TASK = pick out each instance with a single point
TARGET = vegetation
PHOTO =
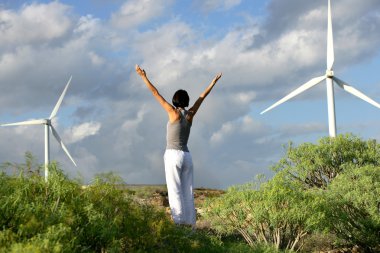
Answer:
(354, 201)
(316, 165)
(63, 216)
(323, 196)
(275, 212)
(331, 188)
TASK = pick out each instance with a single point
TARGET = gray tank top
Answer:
(178, 133)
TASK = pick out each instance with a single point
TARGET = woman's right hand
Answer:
(217, 77)
(140, 71)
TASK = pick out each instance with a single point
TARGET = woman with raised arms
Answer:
(177, 158)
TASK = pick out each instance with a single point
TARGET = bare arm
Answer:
(168, 107)
(193, 110)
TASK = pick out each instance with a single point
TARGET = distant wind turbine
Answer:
(48, 124)
(329, 77)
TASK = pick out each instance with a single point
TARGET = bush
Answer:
(35, 214)
(316, 165)
(353, 207)
(332, 187)
(275, 212)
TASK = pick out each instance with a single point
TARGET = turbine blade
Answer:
(28, 122)
(55, 110)
(355, 92)
(297, 91)
(330, 40)
(61, 143)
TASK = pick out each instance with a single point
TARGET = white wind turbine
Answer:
(48, 124)
(330, 78)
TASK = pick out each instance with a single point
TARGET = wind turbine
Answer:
(330, 79)
(48, 124)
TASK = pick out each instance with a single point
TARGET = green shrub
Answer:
(316, 165)
(275, 212)
(332, 187)
(346, 169)
(353, 206)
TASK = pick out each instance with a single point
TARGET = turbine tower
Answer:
(48, 124)
(330, 79)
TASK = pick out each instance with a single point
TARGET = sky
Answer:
(109, 121)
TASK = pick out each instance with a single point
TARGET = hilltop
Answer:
(157, 195)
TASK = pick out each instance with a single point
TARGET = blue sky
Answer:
(110, 122)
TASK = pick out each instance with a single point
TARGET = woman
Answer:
(177, 158)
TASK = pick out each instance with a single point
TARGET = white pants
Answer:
(179, 181)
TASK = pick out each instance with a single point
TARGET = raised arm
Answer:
(193, 110)
(168, 107)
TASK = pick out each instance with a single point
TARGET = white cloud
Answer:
(164, 51)
(246, 126)
(95, 58)
(87, 26)
(223, 132)
(34, 23)
(245, 97)
(137, 12)
(79, 132)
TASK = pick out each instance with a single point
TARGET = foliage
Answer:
(275, 213)
(316, 165)
(332, 187)
(353, 206)
(62, 216)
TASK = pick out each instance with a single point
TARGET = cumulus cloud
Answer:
(34, 23)
(81, 131)
(135, 12)
(246, 126)
(164, 51)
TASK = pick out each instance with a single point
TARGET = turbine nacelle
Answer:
(329, 73)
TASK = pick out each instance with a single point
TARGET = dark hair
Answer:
(181, 99)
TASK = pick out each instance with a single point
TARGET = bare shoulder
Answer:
(174, 115)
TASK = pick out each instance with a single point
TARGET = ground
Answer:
(157, 195)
